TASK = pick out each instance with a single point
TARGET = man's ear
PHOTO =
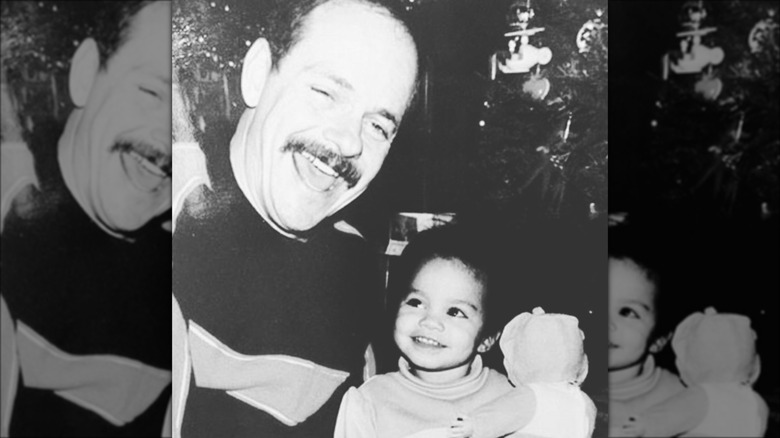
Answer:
(660, 343)
(488, 342)
(257, 66)
(83, 71)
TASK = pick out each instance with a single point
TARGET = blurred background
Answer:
(694, 157)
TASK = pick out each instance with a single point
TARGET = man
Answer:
(273, 302)
(85, 257)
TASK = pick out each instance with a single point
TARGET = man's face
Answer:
(126, 126)
(326, 117)
(631, 314)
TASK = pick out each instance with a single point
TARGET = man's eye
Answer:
(380, 131)
(413, 302)
(454, 311)
(322, 92)
(149, 91)
(629, 313)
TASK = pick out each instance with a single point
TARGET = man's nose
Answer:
(431, 321)
(345, 134)
(612, 325)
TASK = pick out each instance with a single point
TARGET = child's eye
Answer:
(454, 311)
(629, 313)
(413, 302)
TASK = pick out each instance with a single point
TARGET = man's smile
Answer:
(315, 174)
(146, 168)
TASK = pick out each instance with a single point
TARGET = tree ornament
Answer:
(709, 86)
(588, 31)
(693, 56)
(537, 86)
(764, 33)
(521, 55)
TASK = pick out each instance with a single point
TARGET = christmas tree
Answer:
(707, 133)
(543, 139)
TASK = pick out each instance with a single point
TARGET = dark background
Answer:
(726, 258)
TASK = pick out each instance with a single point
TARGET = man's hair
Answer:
(465, 245)
(113, 25)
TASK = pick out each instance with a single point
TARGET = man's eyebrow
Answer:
(338, 80)
(391, 117)
(164, 79)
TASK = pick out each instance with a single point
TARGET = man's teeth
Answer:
(322, 167)
(427, 341)
(146, 164)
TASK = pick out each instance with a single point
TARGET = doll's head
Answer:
(716, 347)
(544, 347)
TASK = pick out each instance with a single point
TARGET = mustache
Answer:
(150, 152)
(345, 167)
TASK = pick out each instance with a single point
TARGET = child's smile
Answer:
(424, 341)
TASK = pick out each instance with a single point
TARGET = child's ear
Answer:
(487, 343)
(660, 343)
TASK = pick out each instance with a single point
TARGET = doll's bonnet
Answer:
(544, 347)
(716, 347)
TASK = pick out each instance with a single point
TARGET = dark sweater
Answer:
(260, 292)
(86, 292)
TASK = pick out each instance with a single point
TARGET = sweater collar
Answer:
(469, 384)
(641, 384)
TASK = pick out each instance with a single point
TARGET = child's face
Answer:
(631, 314)
(439, 322)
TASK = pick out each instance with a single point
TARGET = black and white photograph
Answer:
(390, 218)
(86, 202)
(693, 234)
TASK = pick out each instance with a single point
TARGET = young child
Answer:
(717, 361)
(715, 354)
(636, 333)
(448, 312)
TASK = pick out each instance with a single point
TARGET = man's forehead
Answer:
(352, 43)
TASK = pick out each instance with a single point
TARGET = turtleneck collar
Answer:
(469, 384)
(639, 385)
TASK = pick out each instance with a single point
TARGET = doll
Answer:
(544, 351)
(717, 360)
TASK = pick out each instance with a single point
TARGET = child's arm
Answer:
(356, 417)
(501, 416)
(673, 416)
